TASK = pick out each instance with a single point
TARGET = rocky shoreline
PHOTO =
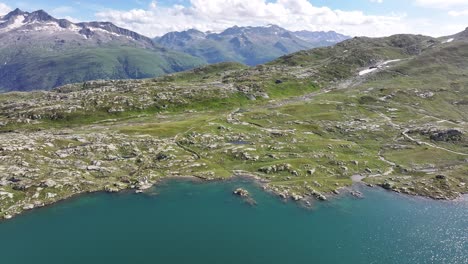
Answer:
(283, 193)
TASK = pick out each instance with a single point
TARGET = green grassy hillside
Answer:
(42, 69)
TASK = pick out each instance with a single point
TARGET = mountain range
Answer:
(247, 45)
(38, 51)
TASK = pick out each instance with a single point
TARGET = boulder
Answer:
(51, 195)
(49, 183)
(296, 197)
(7, 194)
(357, 194)
(28, 206)
(111, 189)
(93, 168)
(387, 185)
(321, 197)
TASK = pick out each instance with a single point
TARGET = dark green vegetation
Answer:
(247, 45)
(306, 125)
(40, 70)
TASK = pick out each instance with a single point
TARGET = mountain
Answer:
(321, 37)
(38, 51)
(248, 45)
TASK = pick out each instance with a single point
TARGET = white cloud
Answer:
(443, 4)
(458, 13)
(4, 9)
(377, 1)
(216, 15)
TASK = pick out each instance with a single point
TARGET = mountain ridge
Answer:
(41, 52)
(248, 45)
(27, 22)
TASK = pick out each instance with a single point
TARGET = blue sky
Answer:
(353, 17)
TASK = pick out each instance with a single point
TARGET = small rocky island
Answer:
(241, 192)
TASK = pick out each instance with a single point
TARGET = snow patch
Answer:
(449, 40)
(74, 28)
(17, 23)
(364, 72)
(105, 31)
(388, 62)
(378, 67)
(51, 27)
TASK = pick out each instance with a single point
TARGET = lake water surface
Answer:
(186, 222)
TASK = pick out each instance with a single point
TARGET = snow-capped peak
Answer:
(40, 25)
(16, 23)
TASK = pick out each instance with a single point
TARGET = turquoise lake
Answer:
(186, 222)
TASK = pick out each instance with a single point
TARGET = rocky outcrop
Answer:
(447, 135)
(277, 168)
(241, 192)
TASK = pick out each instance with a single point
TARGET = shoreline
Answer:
(305, 199)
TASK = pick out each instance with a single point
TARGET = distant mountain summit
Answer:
(324, 37)
(39, 51)
(40, 26)
(248, 45)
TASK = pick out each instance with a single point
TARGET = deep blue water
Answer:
(185, 222)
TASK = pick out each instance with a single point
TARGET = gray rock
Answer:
(387, 185)
(93, 168)
(241, 192)
(111, 189)
(296, 197)
(28, 206)
(49, 183)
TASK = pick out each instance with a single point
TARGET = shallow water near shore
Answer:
(187, 222)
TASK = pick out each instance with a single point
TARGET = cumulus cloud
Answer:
(4, 9)
(216, 15)
(443, 4)
(459, 13)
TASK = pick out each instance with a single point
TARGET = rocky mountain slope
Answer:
(391, 112)
(38, 51)
(247, 45)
